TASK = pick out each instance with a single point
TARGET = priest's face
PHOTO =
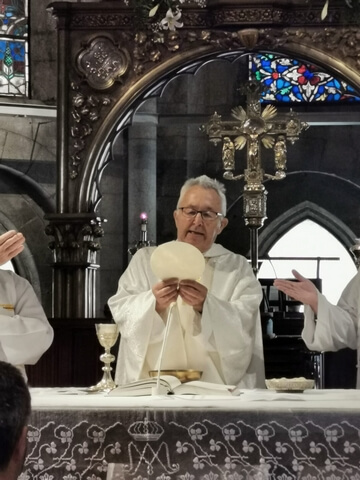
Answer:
(199, 229)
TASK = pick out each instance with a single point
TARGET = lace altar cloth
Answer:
(258, 435)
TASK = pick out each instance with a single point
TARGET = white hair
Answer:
(205, 182)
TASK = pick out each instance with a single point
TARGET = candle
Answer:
(143, 229)
(143, 241)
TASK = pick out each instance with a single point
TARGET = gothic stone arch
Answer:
(106, 68)
(295, 215)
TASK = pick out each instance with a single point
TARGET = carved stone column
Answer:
(74, 269)
(88, 65)
(355, 250)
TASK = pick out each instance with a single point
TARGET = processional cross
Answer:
(253, 128)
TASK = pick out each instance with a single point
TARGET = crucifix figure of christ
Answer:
(254, 128)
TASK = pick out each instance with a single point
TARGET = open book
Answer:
(169, 385)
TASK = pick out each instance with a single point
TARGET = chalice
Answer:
(107, 334)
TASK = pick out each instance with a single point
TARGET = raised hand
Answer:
(11, 244)
(165, 293)
(303, 290)
(193, 293)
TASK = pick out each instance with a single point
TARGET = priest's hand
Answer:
(303, 290)
(193, 293)
(165, 293)
(11, 244)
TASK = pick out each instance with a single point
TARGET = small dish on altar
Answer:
(289, 385)
(183, 375)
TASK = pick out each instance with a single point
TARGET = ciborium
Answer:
(107, 334)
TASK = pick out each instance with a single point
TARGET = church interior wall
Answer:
(43, 53)
(315, 172)
(181, 151)
(323, 167)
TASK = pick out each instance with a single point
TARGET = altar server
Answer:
(25, 333)
(327, 327)
(15, 408)
(217, 324)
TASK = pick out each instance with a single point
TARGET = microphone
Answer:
(156, 390)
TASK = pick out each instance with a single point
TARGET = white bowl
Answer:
(298, 384)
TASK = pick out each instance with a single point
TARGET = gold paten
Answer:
(183, 375)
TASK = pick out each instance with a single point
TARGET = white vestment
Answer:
(25, 333)
(225, 341)
(336, 326)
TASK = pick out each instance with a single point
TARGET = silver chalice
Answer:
(107, 334)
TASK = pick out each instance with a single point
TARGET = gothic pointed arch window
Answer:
(14, 64)
(290, 80)
(313, 251)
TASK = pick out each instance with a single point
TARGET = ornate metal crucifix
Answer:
(253, 128)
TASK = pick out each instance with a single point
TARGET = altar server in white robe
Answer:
(216, 326)
(327, 327)
(25, 333)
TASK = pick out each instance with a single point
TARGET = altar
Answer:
(257, 434)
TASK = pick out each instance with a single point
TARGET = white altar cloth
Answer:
(69, 398)
(258, 434)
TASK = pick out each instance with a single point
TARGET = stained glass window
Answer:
(290, 80)
(14, 66)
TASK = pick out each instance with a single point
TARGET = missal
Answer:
(170, 385)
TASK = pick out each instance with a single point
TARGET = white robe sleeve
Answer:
(25, 333)
(336, 326)
(133, 308)
(231, 321)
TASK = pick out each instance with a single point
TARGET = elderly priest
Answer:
(215, 327)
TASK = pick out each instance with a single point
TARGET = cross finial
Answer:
(254, 129)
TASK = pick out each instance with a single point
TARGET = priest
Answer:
(215, 326)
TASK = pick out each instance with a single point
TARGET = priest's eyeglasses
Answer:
(206, 215)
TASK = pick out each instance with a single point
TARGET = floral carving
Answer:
(102, 63)
(74, 238)
(85, 112)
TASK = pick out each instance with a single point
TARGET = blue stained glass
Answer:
(18, 51)
(290, 80)
(14, 62)
(13, 67)
(281, 68)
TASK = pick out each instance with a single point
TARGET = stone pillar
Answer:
(74, 269)
(142, 173)
(74, 226)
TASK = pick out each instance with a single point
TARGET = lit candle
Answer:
(143, 229)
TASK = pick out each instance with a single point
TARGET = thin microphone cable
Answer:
(272, 266)
(156, 390)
